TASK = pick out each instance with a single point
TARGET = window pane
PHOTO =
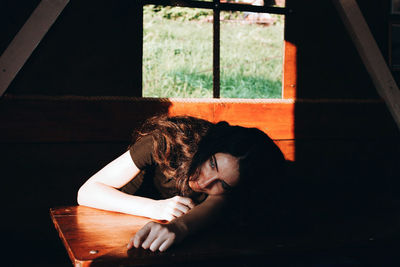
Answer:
(177, 52)
(251, 55)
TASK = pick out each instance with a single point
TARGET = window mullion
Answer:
(216, 50)
(139, 54)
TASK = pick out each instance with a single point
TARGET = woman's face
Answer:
(218, 175)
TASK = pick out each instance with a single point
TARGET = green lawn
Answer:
(177, 55)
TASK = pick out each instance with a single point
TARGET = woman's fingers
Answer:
(141, 235)
(171, 208)
(130, 243)
(157, 243)
(176, 207)
(155, 236)
(167, 243)
(183, 204)
(163, 242)
(183, 208)
(185, 201)
(149, 240)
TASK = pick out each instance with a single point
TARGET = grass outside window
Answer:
(177, 54)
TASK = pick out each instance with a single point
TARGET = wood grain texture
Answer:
(89, 234)
(103, 120)
(80, 119)
(98, 238)
(289, 71)
(276, 119)
(113, 120)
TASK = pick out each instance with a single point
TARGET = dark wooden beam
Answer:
(370, 54)
(27, 39)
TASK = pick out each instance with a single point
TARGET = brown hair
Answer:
(261, 170)
(181, 144)
(259, 157)
(175, 141)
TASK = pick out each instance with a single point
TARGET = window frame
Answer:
(289, 69)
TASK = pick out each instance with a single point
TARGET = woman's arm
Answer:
(156, 236)
(101, 191)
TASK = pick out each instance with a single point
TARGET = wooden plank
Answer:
(370, 54)
(74, 119)
(98, 238)
(288, 148)
(276, 119)
(76, 226)
(289, 71)
(113, 119)
(343, 119)
(201, 109)
(107, 120)
(27, 39)
(80, 119)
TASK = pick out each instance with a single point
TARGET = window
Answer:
(212, 49)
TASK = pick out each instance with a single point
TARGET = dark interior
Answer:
(69, 111)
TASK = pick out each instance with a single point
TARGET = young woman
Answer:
(185, 171)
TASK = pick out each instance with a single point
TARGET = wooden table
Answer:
(95, 237)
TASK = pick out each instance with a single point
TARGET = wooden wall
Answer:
(71, 110)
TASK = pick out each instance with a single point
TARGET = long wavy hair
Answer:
(175, 142)
(182, 144)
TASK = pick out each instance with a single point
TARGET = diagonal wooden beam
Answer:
(370, 54)
(27, 39)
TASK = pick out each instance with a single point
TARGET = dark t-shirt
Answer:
(150, 182)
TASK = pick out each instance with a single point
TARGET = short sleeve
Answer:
(142, 152)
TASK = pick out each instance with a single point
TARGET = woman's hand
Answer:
(156, 236)
(171, 208)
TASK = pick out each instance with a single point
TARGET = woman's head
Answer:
(234, 158)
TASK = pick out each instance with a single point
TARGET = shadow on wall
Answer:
(346, 140)
(50, 146)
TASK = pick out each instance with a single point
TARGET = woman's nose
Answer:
(205, 181)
